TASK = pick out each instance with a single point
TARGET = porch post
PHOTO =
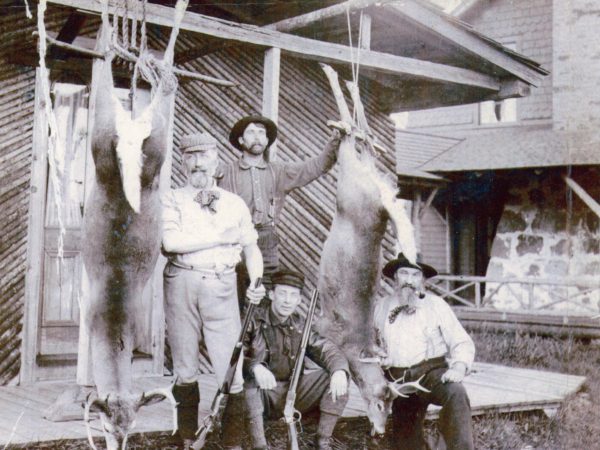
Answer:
(270, 100)
(416, 218)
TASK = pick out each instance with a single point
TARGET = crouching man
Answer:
(271, 346)
(423, 338)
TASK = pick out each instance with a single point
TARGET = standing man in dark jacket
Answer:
(271, 345)
(263, 184)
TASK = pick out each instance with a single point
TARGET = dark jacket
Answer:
(275, 180)
(275, 346)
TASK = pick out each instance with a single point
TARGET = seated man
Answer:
(422, 337)
(271, 346)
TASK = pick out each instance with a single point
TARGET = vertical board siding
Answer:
(17, 96)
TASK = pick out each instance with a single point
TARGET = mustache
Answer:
(420, 294)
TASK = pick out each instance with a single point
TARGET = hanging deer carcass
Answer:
(122, 234)
(350, 267)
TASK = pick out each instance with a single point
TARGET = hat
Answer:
(240, 126)
(196, 142)
(391, 267)
(288, 278)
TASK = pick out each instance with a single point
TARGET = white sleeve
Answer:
(460, 345)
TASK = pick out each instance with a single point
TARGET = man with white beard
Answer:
(206, 230)
(424, 342)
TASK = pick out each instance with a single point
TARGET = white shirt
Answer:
(181, 213)
(432, 331)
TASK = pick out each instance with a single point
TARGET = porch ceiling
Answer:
(419, 57)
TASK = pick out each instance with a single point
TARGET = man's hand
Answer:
(255, 294)
(455, 374)
(338, 385)
(264, 377)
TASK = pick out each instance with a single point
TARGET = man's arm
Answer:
(460, 345)
(294, 175)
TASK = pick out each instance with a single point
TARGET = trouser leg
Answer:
(183, 331)
(408, 415)
(254, 413)
(455, 416)
(233, 422)
(312, 391)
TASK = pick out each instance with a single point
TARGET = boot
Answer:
(232, 425)
(325, 430)
(187, 397)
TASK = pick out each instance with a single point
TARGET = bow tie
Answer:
(208, 199)
(404, 309)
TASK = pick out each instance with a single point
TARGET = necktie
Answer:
(208, 199)
(403, 309)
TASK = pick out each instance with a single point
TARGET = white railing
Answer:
(529, 294)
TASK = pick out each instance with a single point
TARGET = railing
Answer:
(578, 296)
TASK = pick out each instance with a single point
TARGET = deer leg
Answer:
(332, 76)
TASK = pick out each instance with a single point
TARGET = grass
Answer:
(575, 426)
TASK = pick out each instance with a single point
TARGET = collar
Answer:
(265, 315)
(245, 166)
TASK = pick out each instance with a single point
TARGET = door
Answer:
(56, 287)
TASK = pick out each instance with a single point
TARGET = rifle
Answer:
(220, 399)
(290, 414)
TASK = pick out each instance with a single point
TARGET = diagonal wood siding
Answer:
(306, 103)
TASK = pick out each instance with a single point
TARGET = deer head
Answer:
(118, 414)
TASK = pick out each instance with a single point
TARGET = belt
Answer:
(414, 372)
(204, 271)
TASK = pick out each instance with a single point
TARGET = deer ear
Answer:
(99, 406)
(151, 398)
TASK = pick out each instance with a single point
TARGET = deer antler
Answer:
(92, 399)
(402, 389)
(165, 392)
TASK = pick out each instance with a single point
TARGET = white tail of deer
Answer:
(350, 268)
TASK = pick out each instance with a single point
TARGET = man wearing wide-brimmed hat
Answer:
(206, 231)
(264, 184)
(423, 338)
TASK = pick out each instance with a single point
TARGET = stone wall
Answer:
(547, 233)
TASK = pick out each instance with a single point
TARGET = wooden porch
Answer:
(492, 388)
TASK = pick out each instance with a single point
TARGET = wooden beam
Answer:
(423, 16)
(428, 202)
(270, 100)
(35, 241)
(306, 48)
(313, 17)
(365, 32)
(583, 195)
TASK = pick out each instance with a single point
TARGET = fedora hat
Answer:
(240, 126)
(401, 261)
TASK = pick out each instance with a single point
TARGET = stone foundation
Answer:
(547, 233)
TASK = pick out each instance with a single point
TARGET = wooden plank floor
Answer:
(491, 388)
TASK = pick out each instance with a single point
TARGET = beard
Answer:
(200, 179)
(408, 294)
(255, 148)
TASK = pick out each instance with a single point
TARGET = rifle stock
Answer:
(208, 423)
(290, 414)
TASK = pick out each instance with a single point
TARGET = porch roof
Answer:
(516, 148)
(417, 56)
